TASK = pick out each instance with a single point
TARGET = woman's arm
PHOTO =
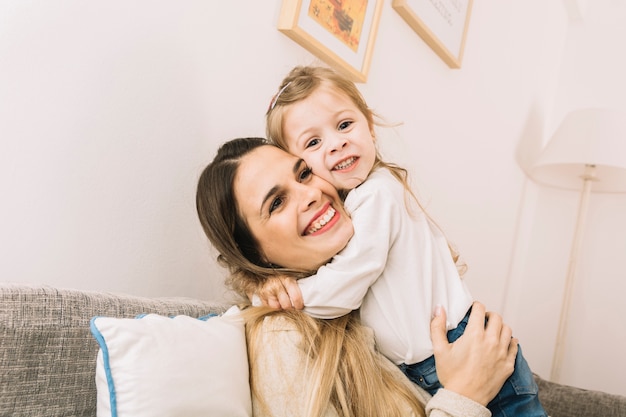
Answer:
(450, 404)
(478, 363)
(472, 377)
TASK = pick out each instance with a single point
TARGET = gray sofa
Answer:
(48, 355)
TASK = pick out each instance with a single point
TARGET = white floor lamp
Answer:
(587, 153)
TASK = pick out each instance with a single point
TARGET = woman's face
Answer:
(297, 218)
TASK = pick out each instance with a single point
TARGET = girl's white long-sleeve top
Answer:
(396, 268)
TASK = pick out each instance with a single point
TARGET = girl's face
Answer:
(333, 137)
(297, 218)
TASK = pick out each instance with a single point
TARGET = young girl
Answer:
(398, 267)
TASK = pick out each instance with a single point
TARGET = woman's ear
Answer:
(266, 263)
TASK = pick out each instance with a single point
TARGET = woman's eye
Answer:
(276, 203)
(306, 173)
(344, 125)
(312, 143)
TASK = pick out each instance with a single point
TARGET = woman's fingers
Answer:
(438, 330)
(476, 321)
(499, 332)
(512, 352)
(477, 364)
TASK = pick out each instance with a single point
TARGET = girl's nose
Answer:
(337, 144)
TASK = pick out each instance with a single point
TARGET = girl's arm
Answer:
(340, 286)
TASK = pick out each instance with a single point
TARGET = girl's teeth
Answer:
(345, 163)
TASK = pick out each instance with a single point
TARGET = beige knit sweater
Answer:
(278, 372)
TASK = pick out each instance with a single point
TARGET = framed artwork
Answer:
(339, 32)
(441, 23)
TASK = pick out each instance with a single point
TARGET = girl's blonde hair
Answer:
(299, 84)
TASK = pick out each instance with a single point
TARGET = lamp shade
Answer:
(593, 136)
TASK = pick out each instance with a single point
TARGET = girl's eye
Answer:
(344, 125)
(312, 143)
(276, 203)
(306, 173)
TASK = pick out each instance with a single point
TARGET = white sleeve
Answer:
(340, 286)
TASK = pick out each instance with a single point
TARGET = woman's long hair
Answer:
(342, 367)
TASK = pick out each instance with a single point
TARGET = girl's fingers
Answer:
(284, 301)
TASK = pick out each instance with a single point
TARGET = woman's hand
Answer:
(281, 292)
(478, 363)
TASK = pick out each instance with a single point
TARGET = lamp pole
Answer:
(557, 360)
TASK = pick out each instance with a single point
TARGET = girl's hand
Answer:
(281, 292)
(478, 363)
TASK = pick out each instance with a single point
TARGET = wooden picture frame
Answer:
(339, 32)
(442, 24)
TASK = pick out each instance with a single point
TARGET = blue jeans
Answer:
(517, 398)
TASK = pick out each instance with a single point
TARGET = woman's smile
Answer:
(328, 218)
(297, 218)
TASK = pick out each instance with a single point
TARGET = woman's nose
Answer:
(309, 196)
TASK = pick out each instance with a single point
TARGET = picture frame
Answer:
(341, 33)
(442, 24)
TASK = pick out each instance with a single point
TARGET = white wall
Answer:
(591, 75)
(109, 110)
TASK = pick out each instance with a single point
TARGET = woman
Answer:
(265, 212)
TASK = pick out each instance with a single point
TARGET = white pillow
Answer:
(182, 366)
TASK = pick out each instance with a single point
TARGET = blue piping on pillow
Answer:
(107, 366)
(208, 316)
(203, 318)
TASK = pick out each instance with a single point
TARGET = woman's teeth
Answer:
(321, 221)
(345, 164)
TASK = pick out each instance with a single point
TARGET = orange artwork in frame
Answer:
(339, 32)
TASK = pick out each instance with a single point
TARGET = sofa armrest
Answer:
(566, 401)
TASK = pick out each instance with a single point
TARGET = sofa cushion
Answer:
(565, 401)
(172, 366)
(47, 353)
